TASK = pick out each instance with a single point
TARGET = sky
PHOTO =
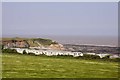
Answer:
(60, 0)
(60, 18)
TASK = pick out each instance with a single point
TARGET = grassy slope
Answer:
(30, 42)
(24, 66)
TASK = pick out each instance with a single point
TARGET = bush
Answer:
(9, 51)
(1, 47)
(44, 41)
(24, 52)
(31, 53)
(86, 56)
(113, 60)
(65, 56)
(116, 59)
(106, 57)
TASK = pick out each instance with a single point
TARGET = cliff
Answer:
(31, 42)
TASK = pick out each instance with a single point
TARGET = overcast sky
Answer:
(62, 18)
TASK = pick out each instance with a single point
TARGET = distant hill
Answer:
(31, 42)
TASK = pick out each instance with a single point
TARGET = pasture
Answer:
(30, 66)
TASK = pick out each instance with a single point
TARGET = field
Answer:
(28, 66)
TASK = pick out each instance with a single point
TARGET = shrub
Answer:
(1, 47)
(9, 51)
(106, 57)
(31, 53)
(86, 56)
(44, 41)
(54, 42)
(24, 52)
(115, 59)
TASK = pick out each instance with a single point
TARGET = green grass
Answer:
(28, 66)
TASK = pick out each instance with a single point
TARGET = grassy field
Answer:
(27, 66)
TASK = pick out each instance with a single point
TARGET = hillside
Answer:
(31, 42)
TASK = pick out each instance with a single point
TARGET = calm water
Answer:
(111, 41)
(89, 40)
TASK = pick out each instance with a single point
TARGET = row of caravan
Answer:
(48, 52)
